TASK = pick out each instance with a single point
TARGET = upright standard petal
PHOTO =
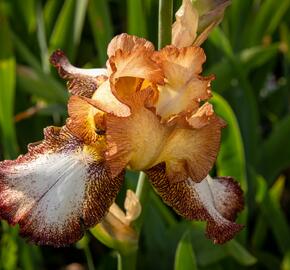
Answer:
(57, 190)
(130, 56)
(184, 88)
(142, 141)
(128, 43)
(134, 140)
(216, 201)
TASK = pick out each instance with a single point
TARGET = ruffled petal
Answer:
(137, 139)
(57, 190)
(142, 141)
(184, 88)
(216, 201)
(83, 82)
(137, 63)
(131, 57)
(201, 117)
(191, 152)
(128, 43)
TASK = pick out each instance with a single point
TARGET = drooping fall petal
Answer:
(83, 82)
(57, 190)
(216, 201)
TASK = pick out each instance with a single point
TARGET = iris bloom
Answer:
(147, 111)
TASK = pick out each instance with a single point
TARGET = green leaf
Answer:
(286, 262)
(8, 248)
(270, 208)
(101, 25)
(25, 54)
(7, 86)
(50, 12)
(30, 256)
(257, 56)
(185, 257)
(274, 157)
(203, 247)
(261, 21)
(28, 13)
(236, 11)
(163, 209)
(62, 35)
(79, 19)
(239, 253)
(219, 39)
(40, 84)
(68, 27)
(136, 24)
(250, 58)
(275, 19)
(231, 158)
(164, 22)
(242, 99)
(260, 232)
(268, 260)
(41, 36)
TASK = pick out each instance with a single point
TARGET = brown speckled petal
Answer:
(57, 190)
(82, 82)
(216, 201)
(84, 120)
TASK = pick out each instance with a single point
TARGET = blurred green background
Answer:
(248, 53)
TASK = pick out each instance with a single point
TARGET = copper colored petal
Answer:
(128, 43)
(184, 29)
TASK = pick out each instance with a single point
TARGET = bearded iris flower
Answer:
(147, 111)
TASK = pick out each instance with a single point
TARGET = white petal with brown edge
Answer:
(56, 190)
(216, 201)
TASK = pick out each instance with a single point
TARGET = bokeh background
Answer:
(248, 53)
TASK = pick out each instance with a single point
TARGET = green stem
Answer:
(140, 184)
(164, 23)
(89, 257)
(128, 261)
